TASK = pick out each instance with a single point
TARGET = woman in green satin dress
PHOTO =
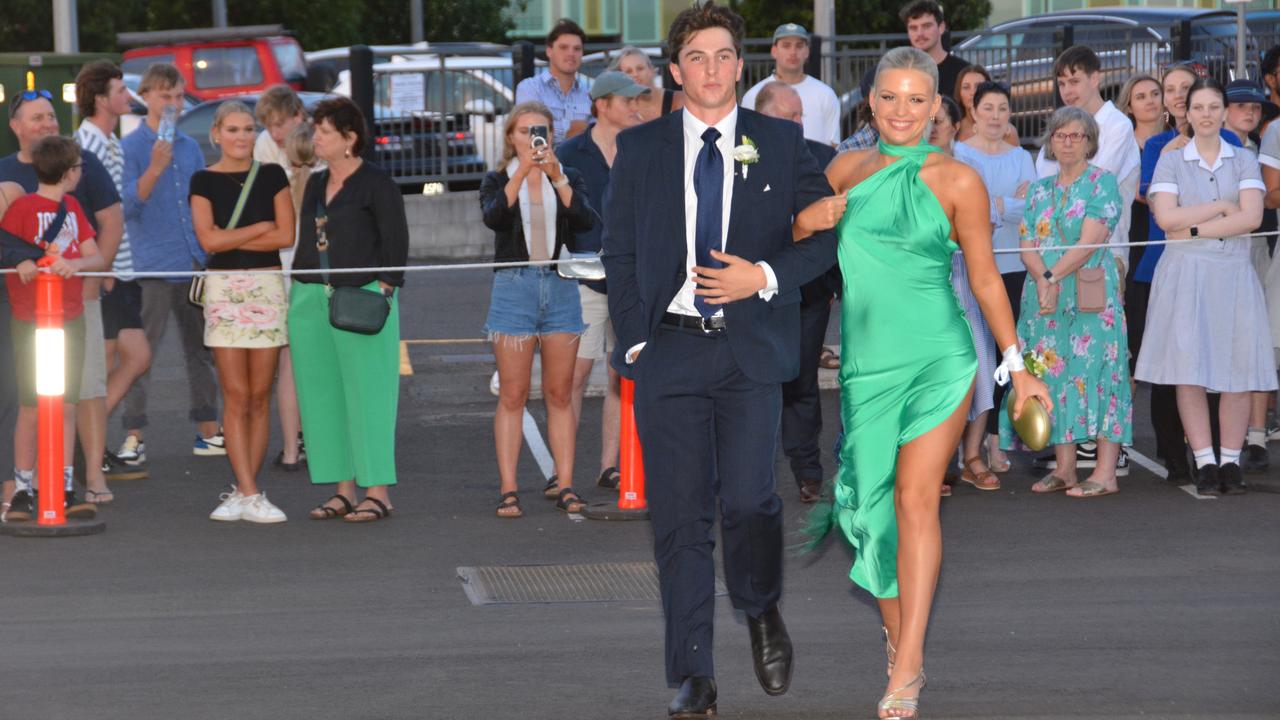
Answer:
(907, 361)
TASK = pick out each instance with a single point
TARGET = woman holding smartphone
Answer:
(534, 206)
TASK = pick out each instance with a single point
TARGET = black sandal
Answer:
(568, 499)
(551, 490)
(363, 515)
(324, 512)
(609, 478)
(503, 504)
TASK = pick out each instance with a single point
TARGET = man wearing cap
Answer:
(613, 105)
(32, 118)
(821, 106)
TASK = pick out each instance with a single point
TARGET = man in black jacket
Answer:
(801, 402)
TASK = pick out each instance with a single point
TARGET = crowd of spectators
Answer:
(1178, 157)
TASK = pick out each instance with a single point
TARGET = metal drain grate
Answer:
(607, 582)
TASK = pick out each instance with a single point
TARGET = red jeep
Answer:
(218, 62)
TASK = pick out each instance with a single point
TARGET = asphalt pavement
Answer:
(1150, 603)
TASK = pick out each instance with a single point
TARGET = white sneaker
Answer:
(231, 509)
(494, 388)
(258, 509)
(133, 451)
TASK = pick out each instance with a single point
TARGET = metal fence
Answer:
(439, 118)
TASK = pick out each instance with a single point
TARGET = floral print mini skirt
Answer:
(245, 311)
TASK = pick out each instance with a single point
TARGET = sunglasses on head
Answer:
(26, 95)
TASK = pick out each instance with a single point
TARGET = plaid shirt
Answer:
(865, 137)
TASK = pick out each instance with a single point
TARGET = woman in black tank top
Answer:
(245, 314)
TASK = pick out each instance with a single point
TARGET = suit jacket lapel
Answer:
(738, 205)
(671, 186)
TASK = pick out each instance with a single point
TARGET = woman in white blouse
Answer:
(1206, 323)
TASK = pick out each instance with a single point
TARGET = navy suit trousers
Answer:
(708, 431)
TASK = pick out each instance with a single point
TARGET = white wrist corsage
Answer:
(746, 154)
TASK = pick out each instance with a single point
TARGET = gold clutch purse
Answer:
(1034, 424)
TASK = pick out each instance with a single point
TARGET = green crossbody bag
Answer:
(352, 309)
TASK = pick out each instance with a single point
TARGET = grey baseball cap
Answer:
(790, 30)
(612, 82)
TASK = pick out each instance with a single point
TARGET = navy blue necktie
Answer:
(708, 183)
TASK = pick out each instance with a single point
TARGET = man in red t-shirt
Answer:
(57, 165)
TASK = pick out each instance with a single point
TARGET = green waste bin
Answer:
(55, 72)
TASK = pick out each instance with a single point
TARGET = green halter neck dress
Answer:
(907, 356)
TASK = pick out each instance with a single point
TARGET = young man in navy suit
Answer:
(704, 292)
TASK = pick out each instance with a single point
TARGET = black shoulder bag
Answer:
(352, 309)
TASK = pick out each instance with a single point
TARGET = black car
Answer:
(415, 150)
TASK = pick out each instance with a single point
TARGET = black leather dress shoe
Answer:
(771, 651)
(695, 699)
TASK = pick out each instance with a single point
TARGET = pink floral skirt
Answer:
(245, 311)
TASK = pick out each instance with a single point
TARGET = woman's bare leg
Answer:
(922, 463)
(515, 364)
(559, 356)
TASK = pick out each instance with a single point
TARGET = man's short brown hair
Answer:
(702, 17)
(94, 81)
(160, 76)
(1077, 57)
(53, 157)
(911, 11)
(276, 103)
(565, 26)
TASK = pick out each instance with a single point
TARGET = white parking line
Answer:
(1158, 469)
(536, 446)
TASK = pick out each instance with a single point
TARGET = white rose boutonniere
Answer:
(746, 154)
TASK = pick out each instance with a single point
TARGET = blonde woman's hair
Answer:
(300, 151)
(231, 107)
(624, 53)
(909, 58)
(524, 108)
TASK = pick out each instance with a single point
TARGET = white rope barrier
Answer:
(537, 263)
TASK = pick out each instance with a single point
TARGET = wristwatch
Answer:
(1195, 231)
(1049, 276)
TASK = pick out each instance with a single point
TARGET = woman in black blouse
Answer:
(348, 383)
(244, 314)
(534, 206)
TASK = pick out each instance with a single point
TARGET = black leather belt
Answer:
(713, 324)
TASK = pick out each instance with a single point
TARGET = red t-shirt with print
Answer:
(28, 217)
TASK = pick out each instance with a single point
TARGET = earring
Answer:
(346, 153)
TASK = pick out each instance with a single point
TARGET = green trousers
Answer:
(348, 389)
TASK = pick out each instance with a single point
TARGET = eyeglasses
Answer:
(25, 96)
(1072, 138)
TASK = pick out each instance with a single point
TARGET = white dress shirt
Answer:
(682, 303)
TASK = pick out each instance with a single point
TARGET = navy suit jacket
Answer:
(644, 240)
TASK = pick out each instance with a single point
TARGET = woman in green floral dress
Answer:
(1079, 333)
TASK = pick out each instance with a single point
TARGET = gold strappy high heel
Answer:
(892, 703)
(890, 651)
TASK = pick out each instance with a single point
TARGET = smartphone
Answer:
(539, 136)
(168, 123)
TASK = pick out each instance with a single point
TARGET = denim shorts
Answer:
(533, 301)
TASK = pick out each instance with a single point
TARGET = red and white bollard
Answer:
(51, 379)
(51, 374)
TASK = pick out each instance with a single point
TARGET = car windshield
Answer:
(139, 65)
(221, 67)
(293, 65)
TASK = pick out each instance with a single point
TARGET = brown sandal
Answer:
(829, 359)
(985, 480)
